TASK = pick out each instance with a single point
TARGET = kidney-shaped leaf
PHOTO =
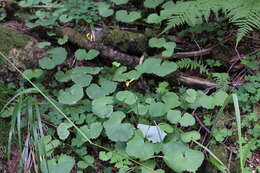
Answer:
(137, 148)
(157, 67)
(152, 3)
(187, 120)
(179, 161)
(157, 109)
(71, 95)
(117, 131)
(81, 79)
(82, 54)
(127, 97)
(63, 131)
(104, 9)
(56, 56)
(189, 136)
(62, 164)
(33, 73)
(124, 16)
(102, 107)
(106, 87)
(93, 130)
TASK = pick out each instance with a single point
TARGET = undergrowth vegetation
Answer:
(77, 111)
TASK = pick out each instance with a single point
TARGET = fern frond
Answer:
(246, 15)
(189, 64)
(222, 80)
(243, 13)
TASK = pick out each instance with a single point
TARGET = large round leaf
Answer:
(179, 161)
(117, 131)
(102, 107)
(71, 95)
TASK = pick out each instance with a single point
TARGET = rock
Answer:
(18, 47)
(126, 41)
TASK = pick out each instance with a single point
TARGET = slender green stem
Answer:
(212, 154)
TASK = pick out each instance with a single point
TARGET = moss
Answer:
(126, 41)
(10, 39)
(18, 47)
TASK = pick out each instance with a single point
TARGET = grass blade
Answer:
(213, 155)
(25, 91)
(240, 140)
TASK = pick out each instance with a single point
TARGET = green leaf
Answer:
(63, 40)
(220, 97)
(137, 148)
(56, 56)
(156, 42)
(121, 75)
(47, 145)
(93, 130)
(104, 9)
(166, 127)
(87, 69)
(102, 107)
(140, 109)
(174, 145)
(191, 95)
(174, 116)
(82, 54)
(106, 87)
(63, 77)
(160, 42)
(81, 79)
(33, 73)
(119, 2)
(65, 18)
(63, 131)
(71, 95)
(157, 109)
(169, 48)
(157, 67)
(105, 156)
(123, 16)
(43, 44)
(127, 97)
(189, 136)
(152, 3)
(171, 100)
(117, 131)
(154, 18)
(187, 120)
(88, 160)
(62, 163)
(206, 101)
(179, 161)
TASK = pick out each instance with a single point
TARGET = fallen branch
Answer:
(106, 51)
(193, 53)
(196, 82)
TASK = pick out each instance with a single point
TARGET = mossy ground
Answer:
(11, 39)
(126, 41)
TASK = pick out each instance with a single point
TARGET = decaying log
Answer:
(106, 51)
